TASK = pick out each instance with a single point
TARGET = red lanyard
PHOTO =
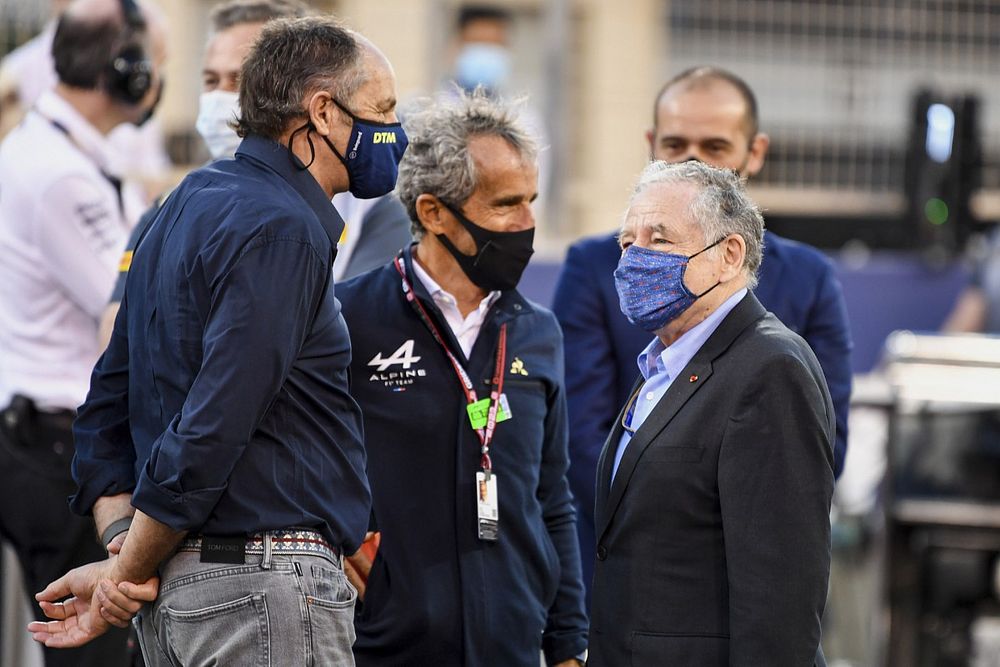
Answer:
(485, 434)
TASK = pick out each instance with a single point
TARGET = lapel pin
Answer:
(693, 378)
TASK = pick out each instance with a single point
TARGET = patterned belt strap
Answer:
(300, 541)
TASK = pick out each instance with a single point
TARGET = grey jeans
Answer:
(276, 609)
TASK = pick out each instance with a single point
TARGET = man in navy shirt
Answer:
(461, 383)
(220, 415)
(706, 114)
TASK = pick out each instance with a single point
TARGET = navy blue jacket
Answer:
(437, 595)
(222, 399)
(796, 283)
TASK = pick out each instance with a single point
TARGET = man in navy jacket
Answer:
(710, 115)
(219, 433)
(450, 360)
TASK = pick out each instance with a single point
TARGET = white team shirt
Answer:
(62, 232)
(137, 151)
(466, 329)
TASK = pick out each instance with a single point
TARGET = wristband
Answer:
(114, 530)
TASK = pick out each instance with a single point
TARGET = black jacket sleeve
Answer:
(775, 479)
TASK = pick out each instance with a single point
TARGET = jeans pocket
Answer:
(230, 633)
(330, 602)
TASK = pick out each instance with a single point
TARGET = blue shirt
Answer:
(222, 400)
(659, 366)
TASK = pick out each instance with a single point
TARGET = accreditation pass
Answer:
(488, 508)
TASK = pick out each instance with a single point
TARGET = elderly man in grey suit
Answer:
(714, 486)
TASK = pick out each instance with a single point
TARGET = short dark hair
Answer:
(239, 12)
(291, 58)
(470, 13)
(83, 47)
(705, 74)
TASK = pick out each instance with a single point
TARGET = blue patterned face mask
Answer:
(651, 287)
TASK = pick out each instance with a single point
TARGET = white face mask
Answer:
(216, 109)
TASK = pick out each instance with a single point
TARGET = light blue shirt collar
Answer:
(660, 366)
(657, 358)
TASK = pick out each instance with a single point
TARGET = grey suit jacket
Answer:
(714, 537)
(385, 231)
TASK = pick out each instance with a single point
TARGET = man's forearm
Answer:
(109, 509)
(148, 543)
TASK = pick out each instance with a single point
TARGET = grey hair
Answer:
(722, 206)
(437, 161)
(292, 58)
(240, 12)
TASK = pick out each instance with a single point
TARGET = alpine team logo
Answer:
(402, 357)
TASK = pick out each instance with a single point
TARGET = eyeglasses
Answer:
(629, 407)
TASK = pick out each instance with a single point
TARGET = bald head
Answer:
(95, 11)
(705, 78)
(710, 115)
(91, 33)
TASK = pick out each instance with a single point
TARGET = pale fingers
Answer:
(355, 579)
(144, 592)
(112, 619)
(46, 628)
(116, 608)
(58, 610)
(56, 590)
(115, 545)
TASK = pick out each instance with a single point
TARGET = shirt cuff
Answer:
(178, 511)
(98, 479)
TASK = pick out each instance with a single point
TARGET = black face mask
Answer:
(500, 256)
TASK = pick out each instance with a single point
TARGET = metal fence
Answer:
(835, 78)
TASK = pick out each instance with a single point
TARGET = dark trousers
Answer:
(35, 483)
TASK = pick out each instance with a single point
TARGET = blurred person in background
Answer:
(460, 381)
(137, 151)
(483, 58)
(235, 27)
(64, 217)
(376, 228)
(714, 486)
(977, 309)
(482, 48)
(219, 428)
(710, 115)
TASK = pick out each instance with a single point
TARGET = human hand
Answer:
(115, 545)
(95, 603)
(119, 603)
(77, 619)
(359, 566)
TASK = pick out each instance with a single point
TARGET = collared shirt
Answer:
(137, 152)
(659, 366)
(438, 594)
(466, 329)
(222, 399)
(62, 230)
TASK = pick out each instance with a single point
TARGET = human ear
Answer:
(758, 151)
(322, 112)
(430, 213)
(734, 252)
